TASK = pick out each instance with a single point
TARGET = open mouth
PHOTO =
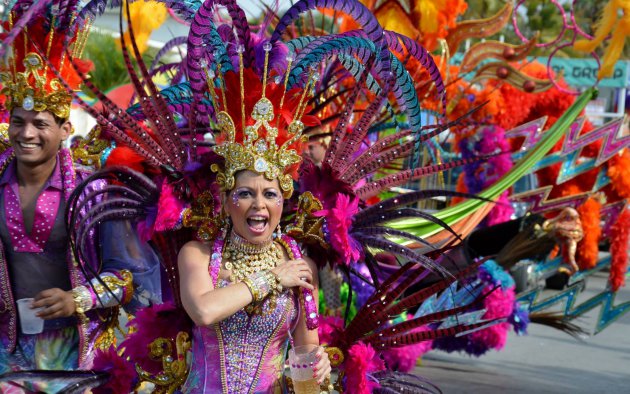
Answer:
(257, 224)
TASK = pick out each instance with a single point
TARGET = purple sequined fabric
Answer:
(8, 313)
(243, 353)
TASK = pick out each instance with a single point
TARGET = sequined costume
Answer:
(112, 268)
(66, 343)
(243, 353)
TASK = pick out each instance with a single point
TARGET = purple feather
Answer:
(32, 11)
(356, 10)
(402, 177)
(172, 43)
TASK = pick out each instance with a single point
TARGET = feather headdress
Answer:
(43, 50)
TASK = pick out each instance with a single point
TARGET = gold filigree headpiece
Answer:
(259, 149)
(33, 92)
(29, 81)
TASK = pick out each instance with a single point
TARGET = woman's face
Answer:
(254, 205)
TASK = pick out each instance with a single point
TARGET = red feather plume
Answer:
(619, 238)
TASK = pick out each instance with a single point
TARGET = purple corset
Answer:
(243, 353)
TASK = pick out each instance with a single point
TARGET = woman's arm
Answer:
(204, 304)
(304, 336)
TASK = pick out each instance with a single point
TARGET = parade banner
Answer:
(583, 72)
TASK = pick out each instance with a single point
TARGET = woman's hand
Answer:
(56, 303)
(294, 273)
(322, 369)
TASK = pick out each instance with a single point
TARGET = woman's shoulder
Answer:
(192, 250)
(296, 247)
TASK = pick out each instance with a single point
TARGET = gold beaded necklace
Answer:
(242, 258)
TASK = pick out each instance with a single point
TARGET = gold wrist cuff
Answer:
(82, 299)
(252, 289)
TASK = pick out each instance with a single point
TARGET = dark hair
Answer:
(58, 120)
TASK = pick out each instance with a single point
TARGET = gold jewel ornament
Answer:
(90, 150)
(258, 147)
(243, 259)
(82, 299)
(202, 215)
(30, 77)
(252, 264)
(31, 91)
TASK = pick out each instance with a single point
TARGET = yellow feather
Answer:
(620, 28)
(146, 16)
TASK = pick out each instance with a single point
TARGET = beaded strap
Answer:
(215, 259)
(306, 296)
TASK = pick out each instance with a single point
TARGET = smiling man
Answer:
(37, 176)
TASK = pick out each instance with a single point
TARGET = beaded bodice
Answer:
(255, 344)
(245, 352)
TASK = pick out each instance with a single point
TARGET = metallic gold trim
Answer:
(175, 371)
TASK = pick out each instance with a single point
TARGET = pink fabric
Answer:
(45, 211)
(242, 353)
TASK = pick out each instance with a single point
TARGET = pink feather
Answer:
(339, 220)
(123, 374)
(493, 140)
(157, 321)
(330, 330)
(169, 209)
(362, 360)
(499, 304)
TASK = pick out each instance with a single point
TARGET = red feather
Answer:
(127, 157)
(619, 250)
(37, 41)
(587, 251)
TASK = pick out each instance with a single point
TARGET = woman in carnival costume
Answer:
(245, 303)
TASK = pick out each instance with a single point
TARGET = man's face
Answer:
(316, 152)
(36, 136)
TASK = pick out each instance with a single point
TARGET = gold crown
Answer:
(34, 84)
(32, 91)
(260, 151)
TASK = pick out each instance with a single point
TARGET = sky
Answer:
(253, 7)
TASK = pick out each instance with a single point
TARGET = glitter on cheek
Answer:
(235, 199)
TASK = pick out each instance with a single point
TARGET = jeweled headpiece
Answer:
(265, 145)
(42, 53)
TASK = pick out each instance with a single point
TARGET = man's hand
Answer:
(55, 303)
